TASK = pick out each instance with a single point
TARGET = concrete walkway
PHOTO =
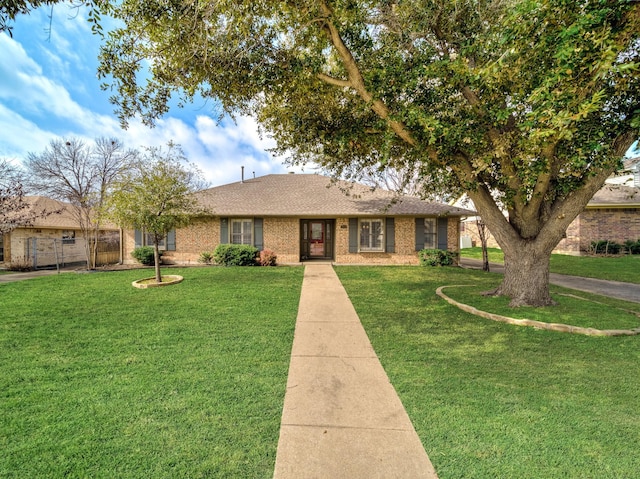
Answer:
(12, 277)
(341, 417)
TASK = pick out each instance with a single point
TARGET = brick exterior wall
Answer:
(200, 236)
(453, 235)
(16, 246)
(594, 224)
(405, 239)
(282, 236)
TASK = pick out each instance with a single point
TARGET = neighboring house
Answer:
(54, 238)
(304, 217)
(612, 214)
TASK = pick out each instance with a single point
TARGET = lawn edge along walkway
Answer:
(341, 418)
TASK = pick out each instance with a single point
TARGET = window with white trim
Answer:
(241, 231)
(430, 233)
(371, 232)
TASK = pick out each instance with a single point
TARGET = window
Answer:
(371, 235)
(148, 241)
(1, 248)
(68, 237)
(168, 243)
(430, 233)
(241, 231)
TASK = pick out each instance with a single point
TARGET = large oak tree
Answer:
(528, 105)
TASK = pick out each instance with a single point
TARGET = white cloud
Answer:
(37, 105)
(20, 136)
(218, 149)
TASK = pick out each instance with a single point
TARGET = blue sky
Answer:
(49, 90)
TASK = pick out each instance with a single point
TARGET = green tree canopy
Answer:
(156, 196)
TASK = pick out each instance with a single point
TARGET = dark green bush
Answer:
(605, 247)
(235, 255)
(436, 257)
(144, 255)
(632, 247)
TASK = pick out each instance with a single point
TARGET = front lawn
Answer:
(624, 268)
(491, 400)
(99, 379)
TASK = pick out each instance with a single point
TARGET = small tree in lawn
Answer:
(157, 196)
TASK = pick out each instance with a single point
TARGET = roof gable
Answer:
(310, 195)
(57, 214)
(612, 196)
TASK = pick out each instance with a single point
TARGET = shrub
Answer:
(632, 247)
(435, 257)
(267, 258)
(20, 264)
(605, 247)
(206, 257)
(235, 255)
(144, 255)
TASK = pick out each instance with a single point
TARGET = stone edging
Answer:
(563, 328)
(141, 285)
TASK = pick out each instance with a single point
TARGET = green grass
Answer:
(99, 379)
(624, 268)
(491, 400)
(495, 254)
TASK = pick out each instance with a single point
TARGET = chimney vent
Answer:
(242, 174)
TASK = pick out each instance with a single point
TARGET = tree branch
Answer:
(356, 80)
(334, 81)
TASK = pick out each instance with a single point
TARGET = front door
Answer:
(316, 239)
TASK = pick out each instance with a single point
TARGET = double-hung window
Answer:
(430, 233)
(144, 238)
(371, 233)
(241, 231)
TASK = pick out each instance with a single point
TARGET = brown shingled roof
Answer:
(60, 214)
(310, 195)
(612, 196)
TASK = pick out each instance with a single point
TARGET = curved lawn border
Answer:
(563, 328)
(143, 283)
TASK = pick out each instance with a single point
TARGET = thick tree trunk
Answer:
(526, 278)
